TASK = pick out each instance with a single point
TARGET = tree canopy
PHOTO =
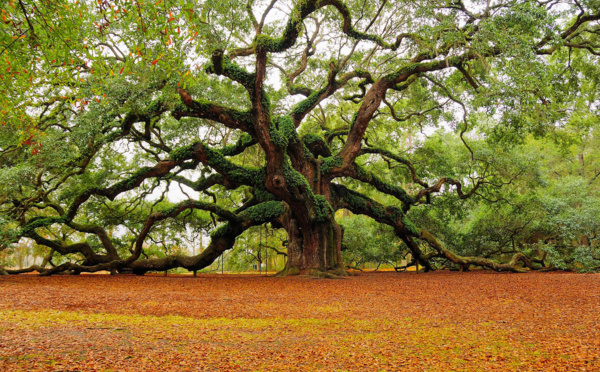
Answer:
(284, 112)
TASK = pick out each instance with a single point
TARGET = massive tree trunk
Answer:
(314, 237)
(314, 250)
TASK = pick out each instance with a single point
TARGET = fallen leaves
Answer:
(433, 322)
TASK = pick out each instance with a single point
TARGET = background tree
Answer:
(279, 112)
(366, 241)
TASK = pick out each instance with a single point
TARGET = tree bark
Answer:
(314, 250)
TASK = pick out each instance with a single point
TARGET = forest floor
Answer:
(441, 321)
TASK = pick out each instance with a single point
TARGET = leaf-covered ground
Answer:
(441, 321)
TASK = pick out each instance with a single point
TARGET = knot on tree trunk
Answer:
(278, 181)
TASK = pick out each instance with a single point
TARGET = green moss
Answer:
(266, 103)
(404, 70)
(266, 42)
(361, 72)
(410, 226)
(201, 105)
(292, 177)
(357, 204)
(245, 117)
(310, 138)
(264, 212)
(287, 129)
(362, 174)
(296, 89)
(243, 142)
(238, 74)
(243, 175)
(306, 153)
(292, 29)
(172, 210)
(283, 132)
(323, 209)
(234, 72)
(330, 162)
(36, 223)
(217, 160)
(305, 105)
(182, 153)
(379, 212)
(262, 195)
(314, 145)
(276, 137)
(395, 213)
(226, 230)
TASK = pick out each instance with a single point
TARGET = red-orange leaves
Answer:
(158, 59)
(441, 321)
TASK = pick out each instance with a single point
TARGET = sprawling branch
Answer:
(308, 104)
(231, 118)
(376, 94)
(391, 216)
(394, 217)
(580, 21)
(360, 174)
(82, 248)
(222, 239)
(388, 154)
(99, 231)
(449, 181)
(197, 152)
(466, 261)
(301, 11)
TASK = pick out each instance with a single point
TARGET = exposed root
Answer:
(337, 273)
(288, 271)
(353, 268)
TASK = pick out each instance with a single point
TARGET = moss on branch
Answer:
(182, 153)
(36, 223)
(316, 145)
(361, 204)
(264, 212)
(255, 215)
(282, 131)
(292, 177)
(331, 162)
(242, 143)
(303, 9)
(307, 104)
(233, 71)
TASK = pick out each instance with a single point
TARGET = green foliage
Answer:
(551, 215)
(366, 241)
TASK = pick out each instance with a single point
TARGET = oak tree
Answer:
(263, 112)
